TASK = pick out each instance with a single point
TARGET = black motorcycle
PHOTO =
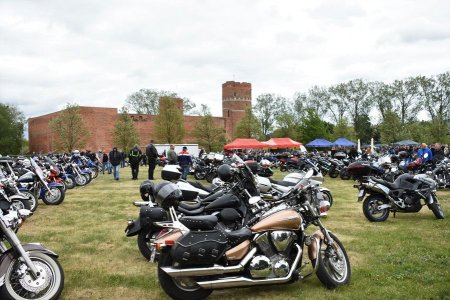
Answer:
(403, 195)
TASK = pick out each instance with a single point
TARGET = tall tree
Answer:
(169, 122)
(287, 127)
(12, 124)
(70, 129)
(266, 110)
(344, 130)
(391, 128)
(189, 107)
(435, 95)
(404, 95)
(381, 96)
(209, 136)
(299, 106)
(337, 106)
(146, 101)
(125, 134)
(363, 128)
(318, 99)
(249, 126)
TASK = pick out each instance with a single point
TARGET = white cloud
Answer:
(97, 53)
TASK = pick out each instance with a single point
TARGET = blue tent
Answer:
(343, 142)
(320, 143)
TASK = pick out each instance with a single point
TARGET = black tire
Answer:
(16, 287)
(81, 180)
(436, 207)
(70, 183)
(327, 195)
(21, 204)
(31, 199)
(199, 174)
(344, 174)
(371, 212)
(57, 197)
(334, 266)
(173, 287)
(144, 239)
(210, 176)
(94, 172)
(333, 173)
(88, 177)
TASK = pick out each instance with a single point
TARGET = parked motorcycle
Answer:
(198, 256)
(28, 271)
(402, 195)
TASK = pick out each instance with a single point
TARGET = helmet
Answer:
(265, 163)
(167, 194)
(146, 189)
(26, 163)
(225, 173)
(76, 153)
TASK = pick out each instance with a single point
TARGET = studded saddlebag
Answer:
(199, 248)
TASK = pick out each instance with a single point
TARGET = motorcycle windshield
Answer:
(38, 170)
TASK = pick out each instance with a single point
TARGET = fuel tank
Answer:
(287, 219)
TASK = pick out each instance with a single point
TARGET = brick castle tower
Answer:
(236, 98)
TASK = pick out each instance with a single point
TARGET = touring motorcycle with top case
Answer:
(198, 256)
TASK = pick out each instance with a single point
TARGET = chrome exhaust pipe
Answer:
(244, 281)
(215, 270)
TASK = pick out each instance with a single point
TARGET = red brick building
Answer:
(236, 97)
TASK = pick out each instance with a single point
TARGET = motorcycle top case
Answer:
(148, 215)
(359, 169)
(199, 248)
(170, 172)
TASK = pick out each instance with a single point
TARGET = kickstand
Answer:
(394, 213)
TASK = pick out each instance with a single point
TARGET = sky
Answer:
(96, 53)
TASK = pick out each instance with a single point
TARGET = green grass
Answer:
(407, 257)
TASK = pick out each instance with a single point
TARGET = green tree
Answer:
(391, 128)
(169, 122)
(363, 128)
(70, 129)
(381, 95)
(337, 106)
(317, 99)
(209, 136)
(266, 110)
(125, 135)
(404, 95)
(287, 127)
(249, 126)
(344, 130)
(12, 124)
(146, 101)
(313, 127)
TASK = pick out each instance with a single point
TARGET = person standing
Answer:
(425, 153)
(152, 155)
(172, 158)
(105, 163)
(114, 158)
(135, 158)
(184, 159)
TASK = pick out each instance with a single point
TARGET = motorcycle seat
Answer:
(281, 182)
(238, 236)
(200, 186)
(194, 212)
(189, 205)
(391, 185)
(199, 222)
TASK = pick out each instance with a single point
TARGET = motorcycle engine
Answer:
(275, 246)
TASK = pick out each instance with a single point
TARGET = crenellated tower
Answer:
(236, 98)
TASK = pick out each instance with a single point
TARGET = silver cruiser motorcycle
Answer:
(198, 256)
(27, 271)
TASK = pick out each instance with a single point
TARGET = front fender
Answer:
(7, 257)
(52, 184)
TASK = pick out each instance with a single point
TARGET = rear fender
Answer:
(133, 228)
(7, 257)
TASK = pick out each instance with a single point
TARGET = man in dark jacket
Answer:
(152, 155)
(135, 158)
(114, 158)
(172, 156)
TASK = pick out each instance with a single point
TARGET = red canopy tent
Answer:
(245, 144)
(282, 143)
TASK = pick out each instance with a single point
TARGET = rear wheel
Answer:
(210, 176)
(344, 174)
(371, 211)
(436, 207)
(333, 173)
(179, 288)
(145, 240)
(199, 174)
(334, 266)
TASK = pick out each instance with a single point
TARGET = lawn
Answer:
(407, 257)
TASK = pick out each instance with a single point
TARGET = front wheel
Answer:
(19, 284)
(344, 174)
(371, 211)
(179, 289)
(436, 207)
(31, 199)
(70, 183)
(94, 172)
(333, 173)
(334, 266)
(55, 197)
(199, 174)
(18, 204)
(80, 180)
(210, 176)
